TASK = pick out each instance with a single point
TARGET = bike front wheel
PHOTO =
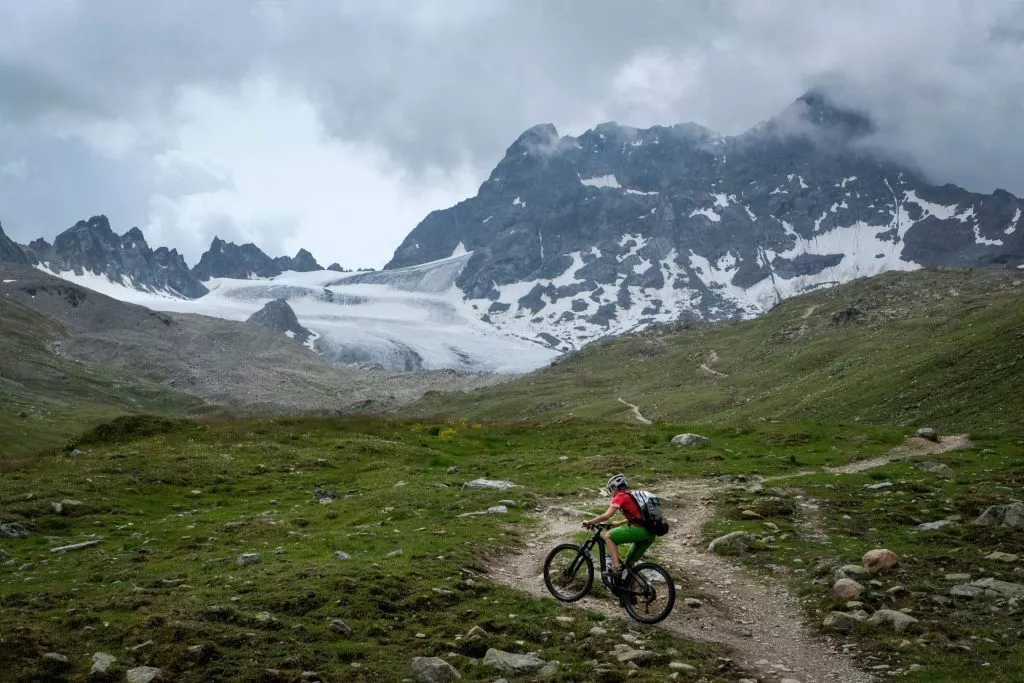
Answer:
(651, 593)
(568, 573)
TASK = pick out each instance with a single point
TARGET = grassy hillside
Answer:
(60, 397)
(932, 346)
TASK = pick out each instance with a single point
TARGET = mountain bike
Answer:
(646, 590)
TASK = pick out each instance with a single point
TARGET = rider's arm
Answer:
(600, 518)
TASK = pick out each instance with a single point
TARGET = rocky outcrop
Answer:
(227, 259)
(92, 247)
(302, 262)
(278, 315)
(11, 253)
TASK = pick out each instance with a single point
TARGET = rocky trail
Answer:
(636, 412)
(761, 622)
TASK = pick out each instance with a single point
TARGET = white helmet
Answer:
(615, 482)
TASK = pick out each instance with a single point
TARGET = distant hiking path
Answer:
(760, 621)
(706, 369)
(636, 412)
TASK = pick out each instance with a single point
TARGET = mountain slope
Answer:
(932, 346)
(11, 253)
(574, 239)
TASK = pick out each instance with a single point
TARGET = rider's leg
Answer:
(640, 547)
(613, 550)
(624, 534)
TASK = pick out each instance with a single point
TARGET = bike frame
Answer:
(598, 540)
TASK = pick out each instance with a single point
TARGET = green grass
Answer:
(936, 347)
(61, 397)
(954, 640)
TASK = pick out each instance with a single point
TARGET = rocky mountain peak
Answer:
(11, 253)
(227, 259)
(302, 262)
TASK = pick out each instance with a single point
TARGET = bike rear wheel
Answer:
(568, 573)
(650, 594)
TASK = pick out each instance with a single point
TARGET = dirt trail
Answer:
(915, 446)
(636, 412)
(761, 623)
(706, 369)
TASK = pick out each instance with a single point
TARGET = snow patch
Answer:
(707, 213)
(602, 181)
(460, 249)
(641, 192)
(1013, 224)
(930, 208)
(518, 202)
(721, 200)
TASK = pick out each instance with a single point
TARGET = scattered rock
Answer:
(625, 654)
(693, 603)
(690, 440)
(597, 631)
(935, 526)
(938, 469)
(507, 503)
(497, 510)
(681, 666)
(248, 558)
(454, 469)
(846, 589)
(433, 670)
(897, 620)
(56, 657)
(750, 514)
(1011, 515)
(510, 662)
(101, 663)
(732, 544)
(340, 627)
(342, 555)
(395, 553)
(76, 546)
(66, 506)
(928, 433)
(549, 670)
(559, 511)
(77, 452)
(4, 555)
(880, 485)
(990, 588)
(324, 496)
(879, 559)
(476, 635)
(840, 622)
(490, 484)
(13, 530)
(958, 577)
(1001, 557)
(144, 674)
(852, 571)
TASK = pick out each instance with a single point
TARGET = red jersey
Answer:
(623, 501)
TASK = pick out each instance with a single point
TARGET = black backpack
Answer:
(650, 512)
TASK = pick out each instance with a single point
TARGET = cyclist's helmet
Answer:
(615, 482)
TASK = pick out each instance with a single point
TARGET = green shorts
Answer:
(640, 538)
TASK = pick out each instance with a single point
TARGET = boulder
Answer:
(1001, 557)
(845, 589)
(935, 526)
(938, 469)
(341, 628)
(733, 543)
(898, 621)
(67, 506)
(1011, 515)
(840, 622)
(454, 469)
(549, 670)
(690, 440)
(852, 571)
(144, 674)
(510, 662)
(246, 559)
(13, 530)
(928, 433)
(101, 663)
(342, 555)
(433, 670)
(879, 559)
(490, 484)
(989, 588)
(56, 657)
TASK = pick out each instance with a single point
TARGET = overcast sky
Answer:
(337, 126)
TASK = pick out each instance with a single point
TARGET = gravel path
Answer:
(762, 623)
(914, 447)
(636, 413)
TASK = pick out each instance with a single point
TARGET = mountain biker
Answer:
(629, 530)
